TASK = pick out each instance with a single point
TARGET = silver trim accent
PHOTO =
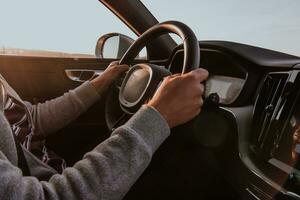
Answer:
(252, 194)
(76, 74)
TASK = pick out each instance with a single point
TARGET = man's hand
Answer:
(179, 98)
(102, 83)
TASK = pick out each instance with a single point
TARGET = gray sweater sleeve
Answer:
(53, 115)
(107, 172)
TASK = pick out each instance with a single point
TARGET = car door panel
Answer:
(37, 79)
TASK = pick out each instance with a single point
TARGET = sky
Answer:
(74, 26)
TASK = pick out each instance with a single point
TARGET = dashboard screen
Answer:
(228, 88)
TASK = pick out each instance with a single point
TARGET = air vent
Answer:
(266, 108)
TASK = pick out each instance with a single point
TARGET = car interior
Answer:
(245, 144)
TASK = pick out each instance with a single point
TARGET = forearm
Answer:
(57, 113)
(107, 172)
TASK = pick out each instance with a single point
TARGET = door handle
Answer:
(82, 75)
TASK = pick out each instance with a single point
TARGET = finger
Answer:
(121, 68)
(201, 102)
(200, 74)
(118, 67)
(170, 77)
(174, 75)
(202, 89)
(114, 63)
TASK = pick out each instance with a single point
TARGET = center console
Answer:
(275, 135)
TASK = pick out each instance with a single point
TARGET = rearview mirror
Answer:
(114, 46)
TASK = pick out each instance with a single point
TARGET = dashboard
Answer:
(257, 120)
(227, 78)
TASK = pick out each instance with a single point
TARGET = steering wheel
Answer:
(142, 80)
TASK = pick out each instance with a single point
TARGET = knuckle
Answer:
(201, 102)
(189, 78)
(193, 76)
(177, 79)
(202, 70)
(204, 73)
(200, 74)
(198, 105)
(201, 88)
(167, 79)
(123, 68)
(197, 111)
(198, 95)
(114, 67)
(198, 89)
(115, 62)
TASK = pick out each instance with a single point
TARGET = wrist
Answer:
(100, 85)
(161, 111)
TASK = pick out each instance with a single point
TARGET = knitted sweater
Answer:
(107, 172)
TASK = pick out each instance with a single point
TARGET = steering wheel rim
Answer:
(190, 43)
(114, 115)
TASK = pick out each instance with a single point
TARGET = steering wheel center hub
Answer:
(139, 85)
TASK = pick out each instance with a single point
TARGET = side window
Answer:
(55, 28)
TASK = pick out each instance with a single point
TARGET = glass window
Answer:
(58, 26)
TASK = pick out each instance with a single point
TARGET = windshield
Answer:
(74, 26)
(272, 24)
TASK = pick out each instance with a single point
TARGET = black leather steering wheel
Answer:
(114, 115)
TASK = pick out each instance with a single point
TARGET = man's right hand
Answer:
(179, 98)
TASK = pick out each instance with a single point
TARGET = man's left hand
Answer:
(103, 82)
